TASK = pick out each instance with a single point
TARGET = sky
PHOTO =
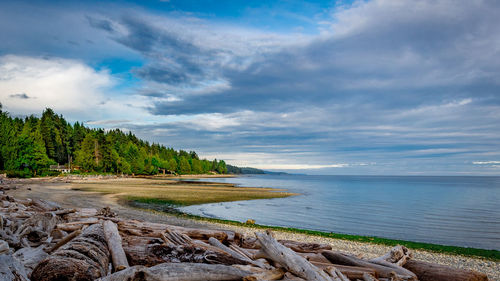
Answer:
(376, 87)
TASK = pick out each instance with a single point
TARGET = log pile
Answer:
(42, 241)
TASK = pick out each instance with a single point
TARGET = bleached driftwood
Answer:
(179, 272)
(149, 229)
(290, 260)
(260, 274)
(30, 257)
(336, 274)
(114, 242)
(398, 255)
(236, 254)
(150, 251)
(382, 270)
(351, 272)
(11, 269)
(303, 247)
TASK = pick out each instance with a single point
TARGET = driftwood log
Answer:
(290, 260)
(86, 257)
(179, 272)
(382, 270)
(139, 228)
(430, 271)
(150, 251)
(114, 241)
(302, 247)
(11, 269)
(351, 272)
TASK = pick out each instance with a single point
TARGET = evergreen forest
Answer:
(30, 145)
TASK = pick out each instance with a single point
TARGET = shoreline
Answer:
(490, 254)
(345, 243)
(62, 193)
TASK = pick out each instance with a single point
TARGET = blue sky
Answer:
(321, 87)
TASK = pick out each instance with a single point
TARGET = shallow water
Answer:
(459, 211)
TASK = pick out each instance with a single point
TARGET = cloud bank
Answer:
(410, 87)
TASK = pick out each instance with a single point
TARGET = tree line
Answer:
(30, 145)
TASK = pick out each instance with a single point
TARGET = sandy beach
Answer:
(64, 193)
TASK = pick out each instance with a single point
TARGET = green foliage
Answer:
(184, 167)
(29, 146)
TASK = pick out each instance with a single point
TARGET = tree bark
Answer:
(86, 257)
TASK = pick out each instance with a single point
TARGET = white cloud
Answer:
(28, 85)
(298, 166)
(485, 162)
(64, 85)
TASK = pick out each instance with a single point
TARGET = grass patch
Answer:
(178, 192)
(470, 252)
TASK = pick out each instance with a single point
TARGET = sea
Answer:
(447, 210)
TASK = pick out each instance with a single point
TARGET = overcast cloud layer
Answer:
(370, 87)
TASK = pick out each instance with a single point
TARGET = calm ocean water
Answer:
(460, 211)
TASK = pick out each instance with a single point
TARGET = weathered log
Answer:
(216, 243)
(69, 226)
(260, 274)
(30, 257)
(86, 212)
(36, 228)
(398, 255)
(304, 247)
(369, 277)
(134, 227)
(314, 257)
(65, 240)
(151, 251)
(179, 272)
(10, 238)
(249, 243)
(352, 272)
(114, 242)
(430, 271)
(289, 259)
(382, 271)
(11, 269)
(45, 205)
(86, 257)
(336, 274)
